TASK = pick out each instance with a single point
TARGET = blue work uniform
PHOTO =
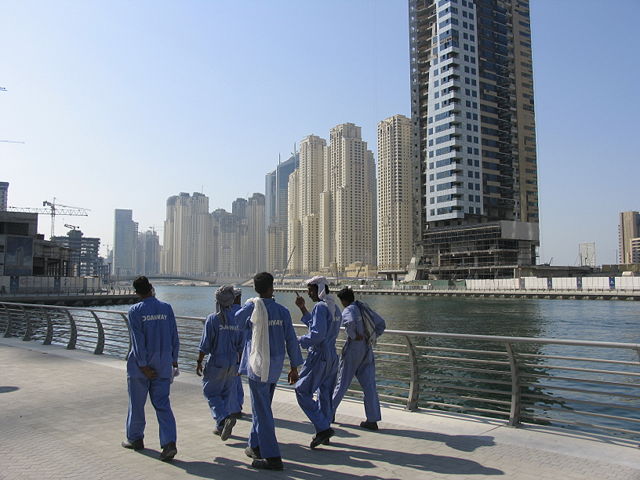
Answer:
(155, 344)
(236, 396)
(321, 366)
(221, 340)
(282, 336)
(357, 359)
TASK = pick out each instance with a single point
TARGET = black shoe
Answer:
(135, 445)
(253, 453)
(369, 425)
(237, 415)
(229, 423)
(326, 442)
(271, 463)
(320, 437)
(217, 431)
(168, 452)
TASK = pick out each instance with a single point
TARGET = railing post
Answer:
(514, 414)
(414, 386)
(28, 330)
(100, 343)
(126, 322)
(49, 336)
(7, 330)
(73, 332)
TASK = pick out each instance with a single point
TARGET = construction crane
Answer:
(53, 210)
(72, 227)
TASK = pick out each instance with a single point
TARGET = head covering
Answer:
(237, 292)
(224, 299)
(321, 282)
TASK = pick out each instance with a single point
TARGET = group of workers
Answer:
(252, 340)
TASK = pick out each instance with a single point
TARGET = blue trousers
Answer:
(357, 360)
(236, 399)
(263, 429)
(218, 386)
(318, 375)
(158, 391)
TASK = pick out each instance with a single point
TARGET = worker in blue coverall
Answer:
(268, 333)
(236, 399)
(357, 355)
(150, 368)
(222, 342)
(318, 375)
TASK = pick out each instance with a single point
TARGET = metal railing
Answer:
(579, 384)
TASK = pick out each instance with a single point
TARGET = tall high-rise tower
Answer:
(394, 194)
(4, 195)
(475, 188)
(348, 209)
(125, 237)
(628, 230)
(276, 200)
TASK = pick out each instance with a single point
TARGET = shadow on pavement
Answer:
(465, 443)
(8, 389)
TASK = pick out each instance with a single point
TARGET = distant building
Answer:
(474, 143)
(148, 253)
(276, 201)
(395, 222)
(628, 228)
(23, 252)
(125, 239)
(84, 253)
(587, 254)
(188, 234)
(256, 233)
(348, 206)
(4, 196)
(635, 250)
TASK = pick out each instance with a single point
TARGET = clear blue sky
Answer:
(122, 104)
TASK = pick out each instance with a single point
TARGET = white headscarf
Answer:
(260, 355)
(321, 282)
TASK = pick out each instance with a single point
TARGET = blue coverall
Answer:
(321, 366)
(222, 341)
(236, 397)
(357, 359)
(154, 343)
(281, 336)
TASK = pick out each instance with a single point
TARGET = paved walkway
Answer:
(62, 416)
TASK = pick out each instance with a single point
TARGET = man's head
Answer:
(263, 284)
(225, 296)
(142, 286)
(316, 286)
(346, 296)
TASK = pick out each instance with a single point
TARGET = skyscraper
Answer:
(628, 229)
(395, 234)
(276, 200)
(256, 233)
(474, 163)
(187, 235)
(148, 253)
(347, 206)
(125, 238)
(84, 258)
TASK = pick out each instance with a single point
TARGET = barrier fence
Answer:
(587, 385)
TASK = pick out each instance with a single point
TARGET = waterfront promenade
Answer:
(63, 413)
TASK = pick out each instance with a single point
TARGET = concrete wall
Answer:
(557, 283)
(29, 284)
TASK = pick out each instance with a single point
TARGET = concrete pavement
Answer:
(62, 416)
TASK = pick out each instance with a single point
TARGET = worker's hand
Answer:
(300, 302)
(293, 375)
(149, 372)
(199, 369)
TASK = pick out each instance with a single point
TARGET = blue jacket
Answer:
(154, 338)
(222, 341)
(282, 336)
(323, 329)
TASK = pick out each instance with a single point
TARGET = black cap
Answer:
(142, 286)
